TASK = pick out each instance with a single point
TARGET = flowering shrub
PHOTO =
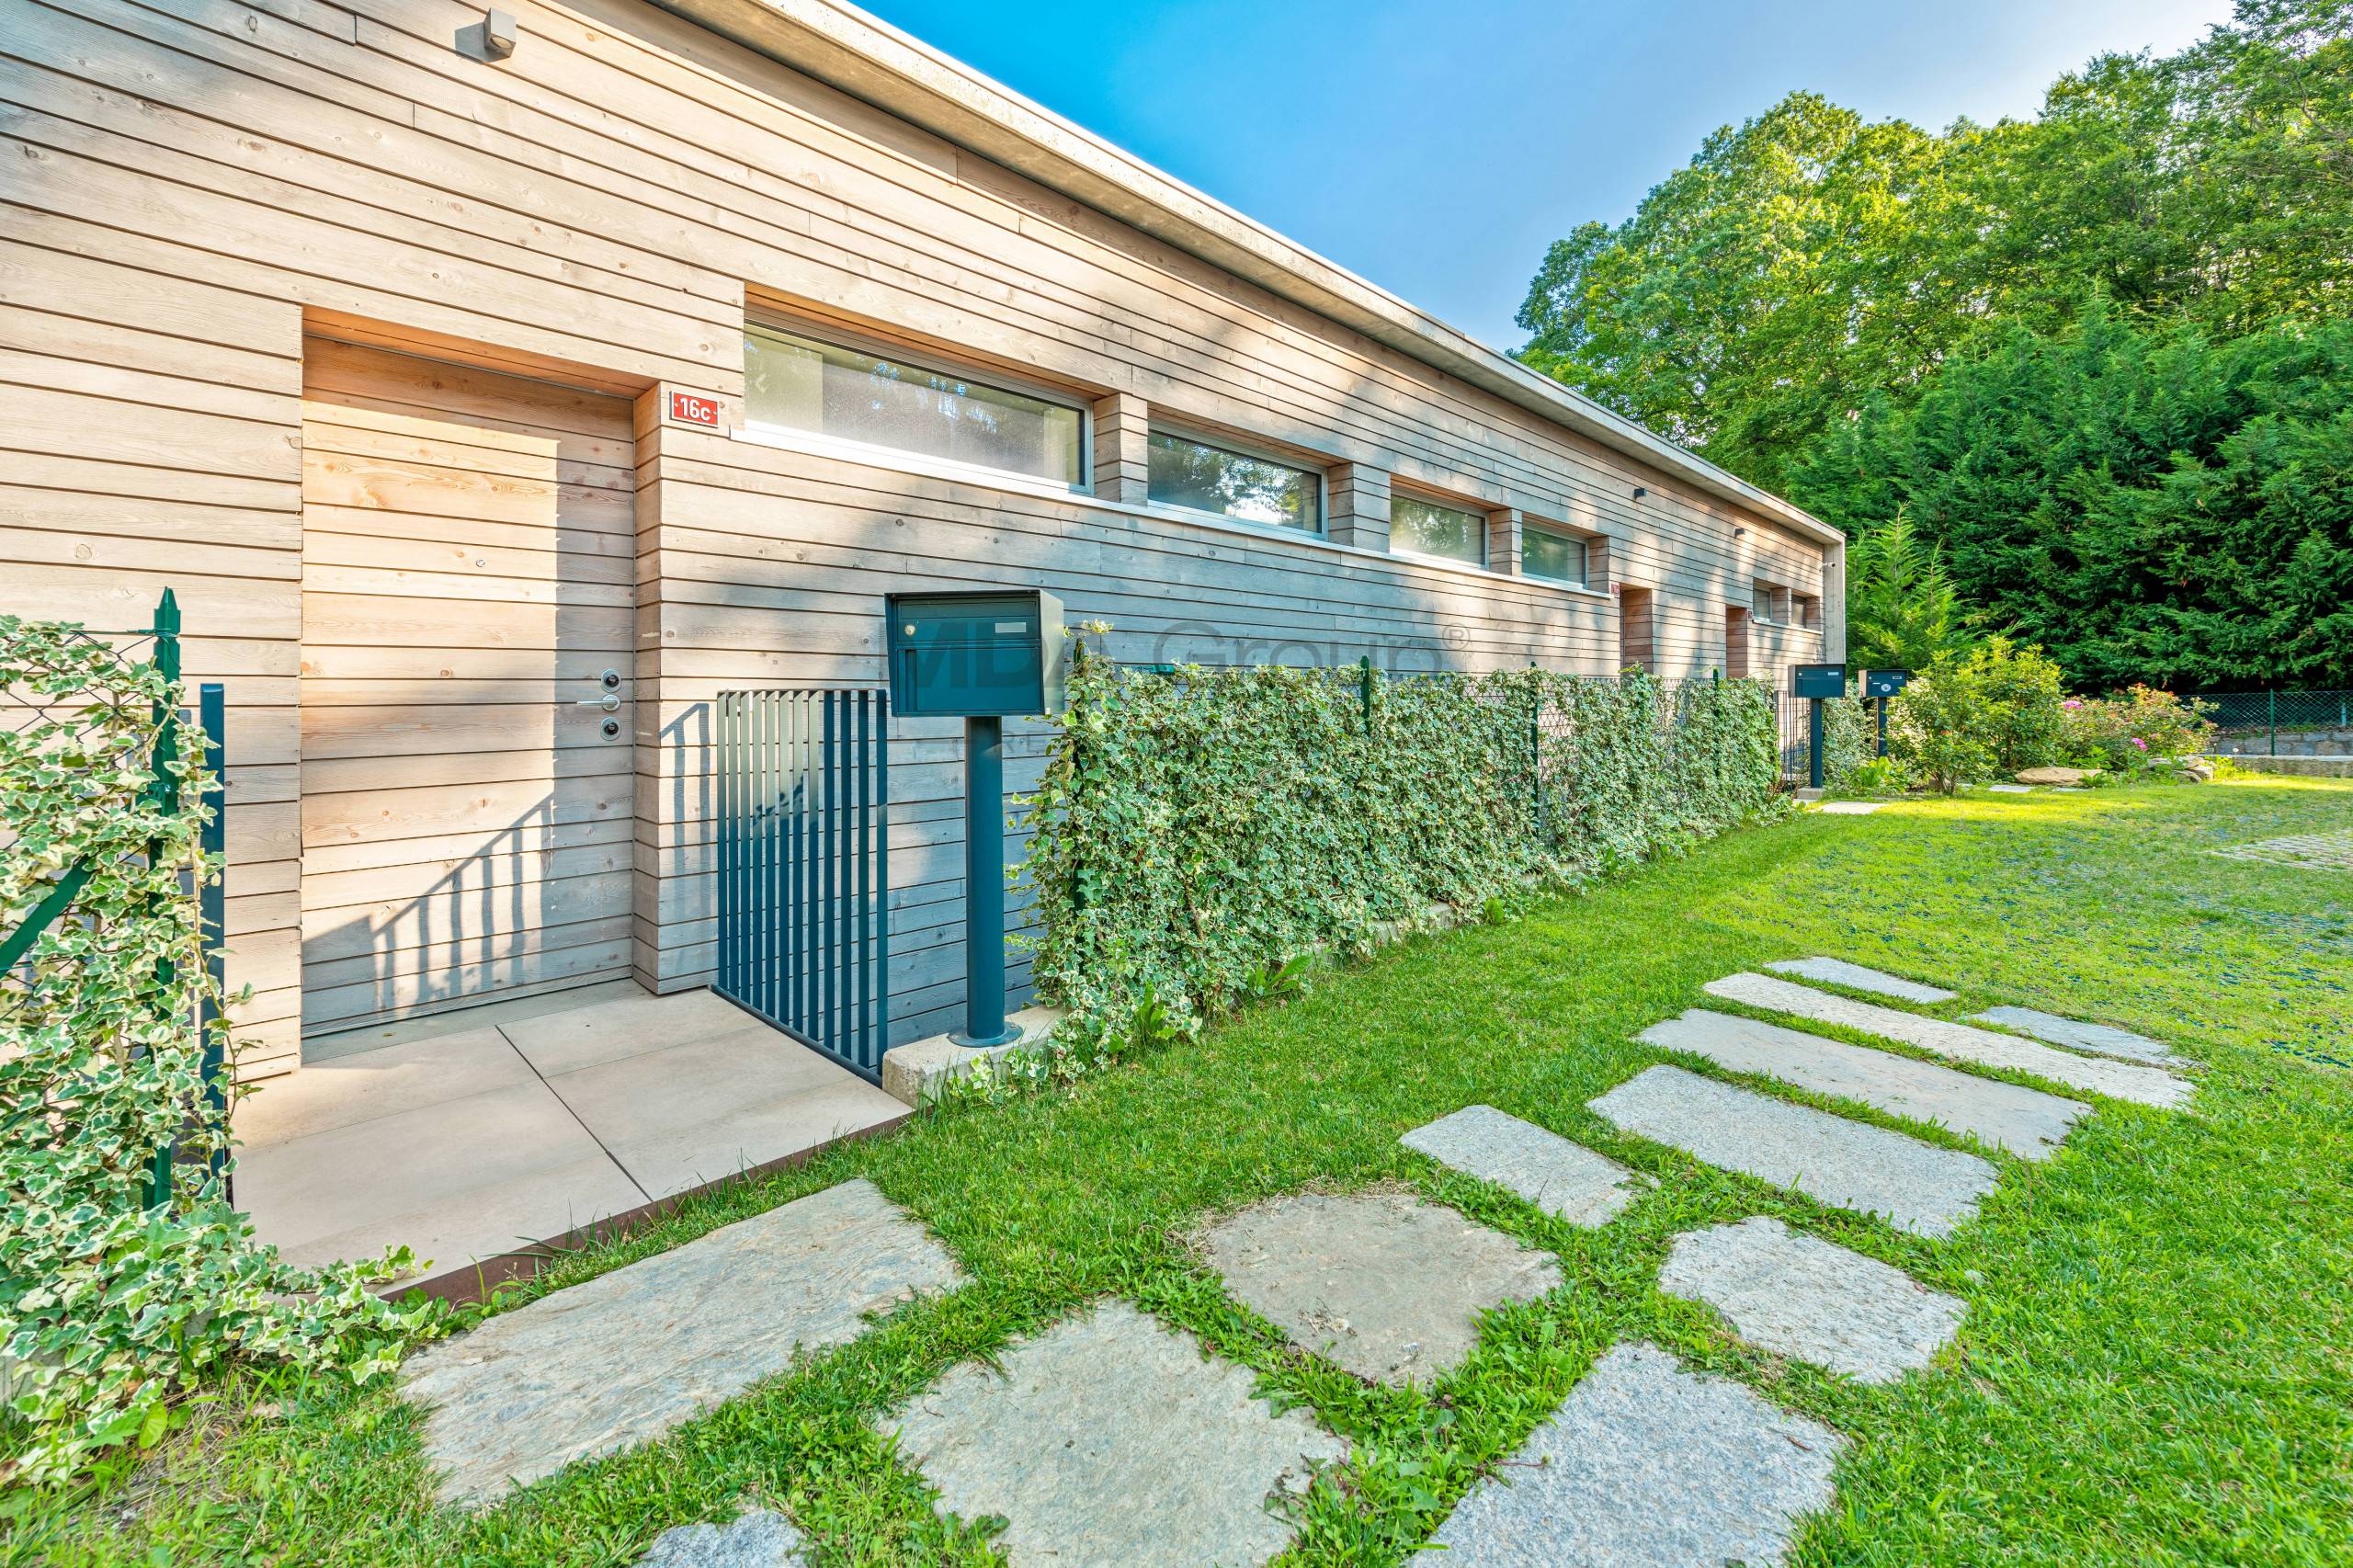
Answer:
(1984, 714)
(2141, 729)
(1198, 829)
(109, 1306)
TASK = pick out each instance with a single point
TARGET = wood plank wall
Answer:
(188, 182)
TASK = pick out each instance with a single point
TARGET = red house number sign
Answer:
(692, 408)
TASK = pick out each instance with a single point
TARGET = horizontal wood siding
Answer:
(189, 181)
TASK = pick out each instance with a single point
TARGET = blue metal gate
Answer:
(803, 866)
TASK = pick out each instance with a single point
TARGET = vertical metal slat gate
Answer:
(804, 880)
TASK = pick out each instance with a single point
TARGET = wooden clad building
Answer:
(441, 374)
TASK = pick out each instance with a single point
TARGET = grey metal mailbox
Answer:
(979, 656)
(971, 656)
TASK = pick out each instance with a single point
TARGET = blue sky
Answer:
(1437, 148)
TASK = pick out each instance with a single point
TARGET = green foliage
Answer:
(1902, 607)
(2149, 507)
(109, 1308)
(2139, 730)
(1198, 831)
(1984, 714)
(2100, 359)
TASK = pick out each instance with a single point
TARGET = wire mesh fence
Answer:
(2280, 723)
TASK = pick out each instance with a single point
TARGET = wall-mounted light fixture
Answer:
(1640, 492)
(1740, 533)
(498, 34)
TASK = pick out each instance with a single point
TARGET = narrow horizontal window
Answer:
(826, 389)
(1187, 472)
(1425, 527)
(1557, 558)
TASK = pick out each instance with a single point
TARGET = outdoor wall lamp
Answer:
(1641, 491)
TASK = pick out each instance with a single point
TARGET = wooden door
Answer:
(468, 583)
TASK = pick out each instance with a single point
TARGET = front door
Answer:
(468, 616)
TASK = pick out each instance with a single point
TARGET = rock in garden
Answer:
(2058, 777)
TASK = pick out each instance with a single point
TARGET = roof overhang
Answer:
(870, 59)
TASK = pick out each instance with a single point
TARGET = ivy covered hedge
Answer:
(113, 1304)
(1198, 828)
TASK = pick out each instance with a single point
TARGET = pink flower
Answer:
(2070, 702)
(2142, 744)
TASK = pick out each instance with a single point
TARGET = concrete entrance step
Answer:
(625, 1357)
(2027, 1122)
(1645, 1463)
(1564, 1180)
(1848, 1164)
(1113, 1439)
(1787, 1292)
(1963, 1042)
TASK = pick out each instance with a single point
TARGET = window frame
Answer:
(1243, 447)
(1479, 516)
(1584, 542)
(937, 364)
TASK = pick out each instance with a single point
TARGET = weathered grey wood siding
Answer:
(192, 184)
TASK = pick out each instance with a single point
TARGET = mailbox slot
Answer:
(966, 655)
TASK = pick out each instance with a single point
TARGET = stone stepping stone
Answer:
(1113, 1438)
(1566, 1180)
(1963, 1042)
(1647, 1463)
(1855, 977)
(1383, 1283)
(623, 1358)
(2027, 1122)
(1848, 1164)
(1802, 1296)
(2010, 789)
(2105, 1038)
(1849, 808)
(755, 1540)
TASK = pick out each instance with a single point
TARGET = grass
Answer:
(2155, 1369)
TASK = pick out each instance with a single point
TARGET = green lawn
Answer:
(2154, 1366)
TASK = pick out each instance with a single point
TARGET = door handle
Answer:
(610, 702)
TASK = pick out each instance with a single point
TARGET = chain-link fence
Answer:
(2280, 723)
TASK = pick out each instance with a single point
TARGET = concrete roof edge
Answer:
(870, 60)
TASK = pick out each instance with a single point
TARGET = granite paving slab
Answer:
(2104, 1038)
(2027, 1122)
(1856, 977)
(1963, 1042)
(1563, 1178)
(622, 1358)
(1802, 1296)
(1111, 1438)
(1647, 1464)
(755, 1539)
(2010, 789)
(1385, 1284)
(1849, 808)
(1848, 1164)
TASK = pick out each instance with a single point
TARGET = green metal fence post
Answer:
(163, 792)
(1364, 686)
(2273, 696)
(211, 904)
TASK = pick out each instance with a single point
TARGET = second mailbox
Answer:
(1818, 680)
(969, 655)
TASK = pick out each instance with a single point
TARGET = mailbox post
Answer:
(979, 656)
(1814, 683)
(1882, 685)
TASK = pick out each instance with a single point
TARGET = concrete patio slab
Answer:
(1848, 1164)
(2027, 1122)
(1963, 1042)
(569, 1039)
(1564, 1180)
(1385, 1285)
(623, 1358)
(1787, 1292)
(1856, 977)
(1113, 1439)
(755, 1539)
(1647, 1463)
(448, 1140)
(2105, 1038)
